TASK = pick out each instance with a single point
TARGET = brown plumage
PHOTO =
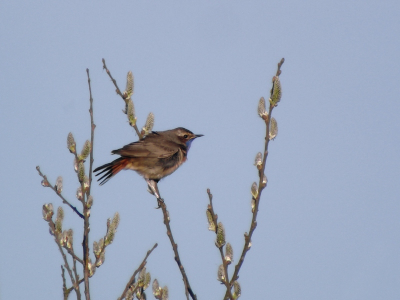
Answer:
(157, 155)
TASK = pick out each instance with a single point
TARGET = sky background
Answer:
(328, 225)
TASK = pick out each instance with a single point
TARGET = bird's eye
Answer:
(185, 136)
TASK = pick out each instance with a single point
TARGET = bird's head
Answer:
(185, 136)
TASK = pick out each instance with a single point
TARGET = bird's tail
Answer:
(111, 169)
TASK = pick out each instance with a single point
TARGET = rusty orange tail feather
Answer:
(111, 169)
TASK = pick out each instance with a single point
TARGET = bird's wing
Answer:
(148, 148)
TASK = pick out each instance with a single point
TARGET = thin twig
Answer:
(261, 187)
(188, 289)
(55, 190)
(132, 279)
(74, 256)
(86, 214)
(119, 93)
(224, 262)
(65, 290)
(66, 264)
(92, 127)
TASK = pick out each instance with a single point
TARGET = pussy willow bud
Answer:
(220, 242)
(79, 195)
(141, 277)
(70, 238)
(45, 183)
(228, 253)
(237, 291)
(147, 280)
(258, 161)
(254, 190)
(211, 224)
(264, 181)
(253, 204)
(273, 129)
(261, 108)
(76, 165)
(129, 85)
(112, 229)
(156, 288)
(101, 259)
(221, 273)
(276, 91)
(131, 113)
(47, 211)
(96, 249)
(59, 219)
(148, 127)
(81, 171)
(89, 202)
(91, 268)
(71, 143)
(86, 183)
(165, 293)
(85, 150)
(59, 184)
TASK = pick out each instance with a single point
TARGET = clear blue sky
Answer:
(328, 226)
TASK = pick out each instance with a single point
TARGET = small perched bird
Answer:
(157, 155)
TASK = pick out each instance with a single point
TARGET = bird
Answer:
(154, 157)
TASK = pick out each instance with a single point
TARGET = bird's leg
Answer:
(153, 189)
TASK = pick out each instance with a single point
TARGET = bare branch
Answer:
(119, 93)
(141, 266)
(59, 194)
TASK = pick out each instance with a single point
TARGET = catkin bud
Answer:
(211, 224)
(91, 268)
(101, 259)
(85, 150)
(273, 129)
(47, 211)
(156, 288)
(254, 190)
(264, 181)
(59, 184)
(130, 111)
(71, 143)
(112, 229)
(276, 91)
(237, 291)
(45, 183)
(148, 127)
(258, 161)
(70, 238)
(262, 112)
(141, 277)
(164, 293)
(221, 273)
(228, 253)
(147, 280)
(79, 194)
(89, 202)
(81, 171)
(129, 85)
(220, 241)
(59, 219)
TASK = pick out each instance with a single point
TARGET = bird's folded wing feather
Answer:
(148, 149)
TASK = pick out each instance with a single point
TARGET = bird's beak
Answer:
(198, 135)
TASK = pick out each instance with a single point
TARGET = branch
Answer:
(119, 93)
(261, 186)
(66, 264)
(188, 289)
(55, 190)
(132, 279)
(92, 126)
(224, 262)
